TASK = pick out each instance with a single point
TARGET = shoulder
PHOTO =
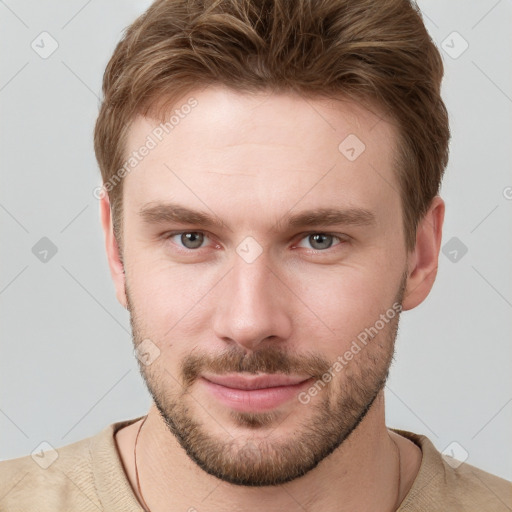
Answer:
(50, 477)
(444, 483)
(87, 475)
(474, 487)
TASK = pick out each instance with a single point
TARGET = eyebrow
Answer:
(159, 213)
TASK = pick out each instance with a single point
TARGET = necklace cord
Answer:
(144, 504)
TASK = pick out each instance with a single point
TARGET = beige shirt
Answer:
(89, 476)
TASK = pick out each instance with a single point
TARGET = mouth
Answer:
(255, 392)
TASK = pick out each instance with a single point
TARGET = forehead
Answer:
(271, 151)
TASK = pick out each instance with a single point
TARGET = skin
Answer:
(251, 160)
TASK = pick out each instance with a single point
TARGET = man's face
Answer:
(256, 294)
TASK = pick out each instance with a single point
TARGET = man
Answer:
(270, 207)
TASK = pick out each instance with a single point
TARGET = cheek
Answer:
(168, 297)
(337, 304)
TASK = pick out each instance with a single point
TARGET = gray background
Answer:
(67, 367)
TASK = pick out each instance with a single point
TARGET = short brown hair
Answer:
(366, 50)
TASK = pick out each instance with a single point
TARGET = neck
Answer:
(362, 474)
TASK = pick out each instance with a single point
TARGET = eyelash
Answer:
(341, 238)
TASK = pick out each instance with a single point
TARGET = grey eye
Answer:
(320, 241)
(192, 239)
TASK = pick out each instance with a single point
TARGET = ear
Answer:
(422, 261)
(113, 256)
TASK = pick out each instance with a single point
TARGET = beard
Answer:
(254, 458)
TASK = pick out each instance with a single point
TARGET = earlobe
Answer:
(423, 259)
(113, 254)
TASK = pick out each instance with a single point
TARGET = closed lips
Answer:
(237, 381)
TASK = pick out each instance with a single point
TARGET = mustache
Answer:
(267, 360)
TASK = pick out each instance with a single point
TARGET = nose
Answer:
(253, 305)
